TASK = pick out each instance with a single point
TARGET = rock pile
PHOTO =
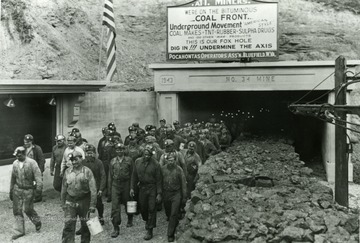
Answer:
(230, 205)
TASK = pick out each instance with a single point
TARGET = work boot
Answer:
(116, 232)
(78, 232)
(149, 234)
(14, 237)
(171, 238)
(38, 227)
(130, 221)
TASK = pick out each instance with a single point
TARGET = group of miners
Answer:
(153, 166)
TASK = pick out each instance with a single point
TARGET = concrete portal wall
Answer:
(123, 108)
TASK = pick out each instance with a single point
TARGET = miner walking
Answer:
(24, 173)
(174, 192)
(78, 198)
(147, 173)
(120, 172)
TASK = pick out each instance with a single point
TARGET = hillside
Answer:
(60, 39)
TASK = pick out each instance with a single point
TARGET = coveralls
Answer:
(192, 161)
(97, 168)
(22, 192)
(174, 190)
(35, 152)
(55, 165)
(78, 194)
(148, 175)
(120, 172)
(108, 154)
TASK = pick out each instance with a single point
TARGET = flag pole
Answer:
(102, 37)
(101, 43)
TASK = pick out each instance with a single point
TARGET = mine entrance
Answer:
(258, 113)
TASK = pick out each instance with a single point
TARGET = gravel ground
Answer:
(53, 221)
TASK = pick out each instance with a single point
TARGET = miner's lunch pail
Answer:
(94, 225)
(131, 206)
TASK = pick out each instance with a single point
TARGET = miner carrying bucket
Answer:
(147, 174)
(120, 171)
(174, 192)
(78, 198)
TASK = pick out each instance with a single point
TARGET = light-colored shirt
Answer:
(23, 177)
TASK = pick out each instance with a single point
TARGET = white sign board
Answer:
(222, 30)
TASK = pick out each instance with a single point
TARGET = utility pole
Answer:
(341, 162)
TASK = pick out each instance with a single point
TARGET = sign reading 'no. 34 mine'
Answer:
(223, 30)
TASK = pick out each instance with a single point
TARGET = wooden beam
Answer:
(341, 162)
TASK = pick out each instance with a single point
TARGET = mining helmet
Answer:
(163, 120)
(119, 146)
(170, 156)
(131, 128)
(176, 123)
(111, 126)
(59, 137)
(19, 149)
(90, 147)
(75, 130)
(28, 137)
(192, 145)
(168, 142)
(71, 138)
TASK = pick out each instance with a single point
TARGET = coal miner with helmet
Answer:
(179, 157)
(35, 152)
(78, 198)
(147, 175)
(97, 168)
(174, 192)
(71, 147)
(120, 172)
(25, 172)
(192, 162)
(56, 159)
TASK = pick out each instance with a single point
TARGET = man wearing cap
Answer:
(78, 198)
(179, 158)
(35, 152)
(120, 172)
(179, 142)
(71, 147)
(174, 192)
(107, 155)
(97, 168)
(209, 147)
(192, 162)
(162, 126)
(112, 127)
(25, 172)
(132, 135)
(147, 174)
(56, 159)
(157, 151)
(102, 141)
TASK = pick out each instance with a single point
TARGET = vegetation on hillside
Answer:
(341, 5)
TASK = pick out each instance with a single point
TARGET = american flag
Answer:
(108, 21)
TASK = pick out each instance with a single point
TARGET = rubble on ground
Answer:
(286, 204)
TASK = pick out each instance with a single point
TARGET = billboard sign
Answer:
(222, 30)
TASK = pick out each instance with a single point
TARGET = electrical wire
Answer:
(320, 96)
(313, 88)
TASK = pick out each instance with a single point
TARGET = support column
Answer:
(168, 107)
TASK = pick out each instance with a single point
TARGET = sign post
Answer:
(222, 30)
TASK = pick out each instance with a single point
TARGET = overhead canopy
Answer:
(20, 86)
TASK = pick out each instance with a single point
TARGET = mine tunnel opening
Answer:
(259, 113)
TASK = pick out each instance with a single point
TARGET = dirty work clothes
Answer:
(55, 165)
(108, 154)
(22, 190)
(174, 189)
(179, 157)
(24, 198)
(225, 140)
(76, 208)
(120, 172)
(77, 183)
(66, 163)
(35, 152)
(97, 168)
(78, 193)
(209, 148)
(193, 162)
(147, 174)
(24, 178)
